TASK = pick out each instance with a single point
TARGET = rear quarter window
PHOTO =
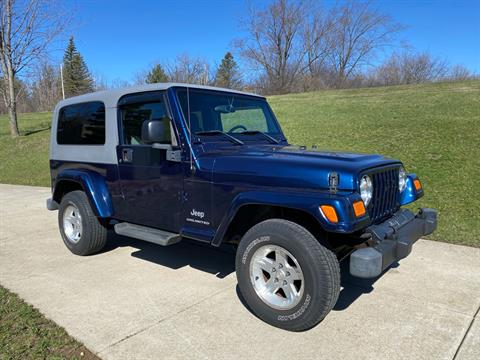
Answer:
(82, 124)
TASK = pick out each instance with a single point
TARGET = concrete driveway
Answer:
(137, 300)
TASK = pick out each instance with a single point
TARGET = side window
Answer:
(133, 117)
(82, 124)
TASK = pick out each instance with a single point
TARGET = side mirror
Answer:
(156, 131)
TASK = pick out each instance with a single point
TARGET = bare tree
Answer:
(390, 72)
(140, 76)
(191, 70)
(45, 90)
(317, 47)
(419, 68)
(460, 72)
(100, 82)
(273, 42)
(22, 91)
(298, 46)
(359, 31)
(27, 27)
(411, 68)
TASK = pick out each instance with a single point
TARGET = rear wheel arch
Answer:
(92, 184)
(64, 186)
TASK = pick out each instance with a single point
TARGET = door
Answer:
(152, 186)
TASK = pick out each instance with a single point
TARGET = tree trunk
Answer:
(12, 106)
(341, 77)
(12, 113)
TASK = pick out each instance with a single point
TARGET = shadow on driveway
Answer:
(221, 263)
(353, 287)
(216, 261)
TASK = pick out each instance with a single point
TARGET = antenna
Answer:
(192, 169)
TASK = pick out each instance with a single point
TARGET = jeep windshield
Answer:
(224, 115)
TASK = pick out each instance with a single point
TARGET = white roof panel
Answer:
(111, 97)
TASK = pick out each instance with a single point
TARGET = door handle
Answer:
(127, 155)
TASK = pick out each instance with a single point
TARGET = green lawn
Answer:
(26, 334)
(24, 160)
(434, 129)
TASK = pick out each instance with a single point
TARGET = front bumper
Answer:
(392, 240)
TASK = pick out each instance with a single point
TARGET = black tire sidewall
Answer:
(80, 201)
(313, 306)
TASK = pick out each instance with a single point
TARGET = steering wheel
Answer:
(236, 128)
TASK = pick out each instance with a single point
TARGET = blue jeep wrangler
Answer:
(163, 162)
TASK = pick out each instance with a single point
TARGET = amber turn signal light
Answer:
(417, 184)
(359, 208)
(330, 213)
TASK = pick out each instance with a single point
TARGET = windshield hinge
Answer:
(333, 182)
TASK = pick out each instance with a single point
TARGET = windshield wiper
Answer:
(219, 132)
(254, 132)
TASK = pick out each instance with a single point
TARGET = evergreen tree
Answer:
(76, 77)
(156, 75)
(228, 73)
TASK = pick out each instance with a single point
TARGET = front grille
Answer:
(385, 199)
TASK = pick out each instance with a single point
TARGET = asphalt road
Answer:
(142, 301)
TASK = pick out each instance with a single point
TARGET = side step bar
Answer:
(145, 233)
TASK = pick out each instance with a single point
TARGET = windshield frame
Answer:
(278, 136)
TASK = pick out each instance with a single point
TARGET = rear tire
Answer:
(82, 232)
(277, 253)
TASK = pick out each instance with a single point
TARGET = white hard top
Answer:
(110, 97)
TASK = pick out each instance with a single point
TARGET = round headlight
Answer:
(366, 189)
(402, 179)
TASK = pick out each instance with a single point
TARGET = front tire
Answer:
(82, 232)
(287, 278)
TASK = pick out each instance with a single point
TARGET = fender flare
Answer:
(410, 194)
(93, 185)
(303, 202)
